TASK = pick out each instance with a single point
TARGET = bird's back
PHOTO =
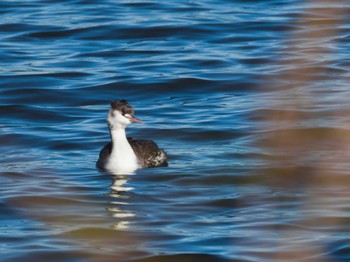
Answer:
(148, 153)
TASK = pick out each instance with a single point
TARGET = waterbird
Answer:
(127, 154)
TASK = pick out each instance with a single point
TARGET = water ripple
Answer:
(248, 98)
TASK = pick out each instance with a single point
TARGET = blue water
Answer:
(248, 98)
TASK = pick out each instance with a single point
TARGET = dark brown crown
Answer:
(123, 107)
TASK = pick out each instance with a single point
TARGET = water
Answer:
(248, 98)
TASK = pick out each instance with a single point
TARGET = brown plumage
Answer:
(148, 153)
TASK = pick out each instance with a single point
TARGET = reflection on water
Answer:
(120, 192)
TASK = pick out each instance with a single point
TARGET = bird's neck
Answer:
(118, 135)
(122, 155)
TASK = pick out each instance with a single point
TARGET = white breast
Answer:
(122, 157)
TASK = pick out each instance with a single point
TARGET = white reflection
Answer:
(121, 194)
(119, 186)
(122, 225)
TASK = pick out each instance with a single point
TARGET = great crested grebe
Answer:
(124, 153)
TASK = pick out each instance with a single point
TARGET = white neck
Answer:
(122, 157)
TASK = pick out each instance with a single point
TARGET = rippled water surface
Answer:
(250, 99)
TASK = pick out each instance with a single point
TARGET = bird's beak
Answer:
(135, 119)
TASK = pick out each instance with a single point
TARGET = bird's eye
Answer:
(126, 112)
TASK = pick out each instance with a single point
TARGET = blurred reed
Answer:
(312, 159)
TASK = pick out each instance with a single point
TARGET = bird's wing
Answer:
(148, 153)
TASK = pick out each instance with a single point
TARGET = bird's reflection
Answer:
(119, 205)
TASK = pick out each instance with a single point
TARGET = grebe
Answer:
(124, 153)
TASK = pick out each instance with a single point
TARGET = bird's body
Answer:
(127, 154)
(148, 153)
